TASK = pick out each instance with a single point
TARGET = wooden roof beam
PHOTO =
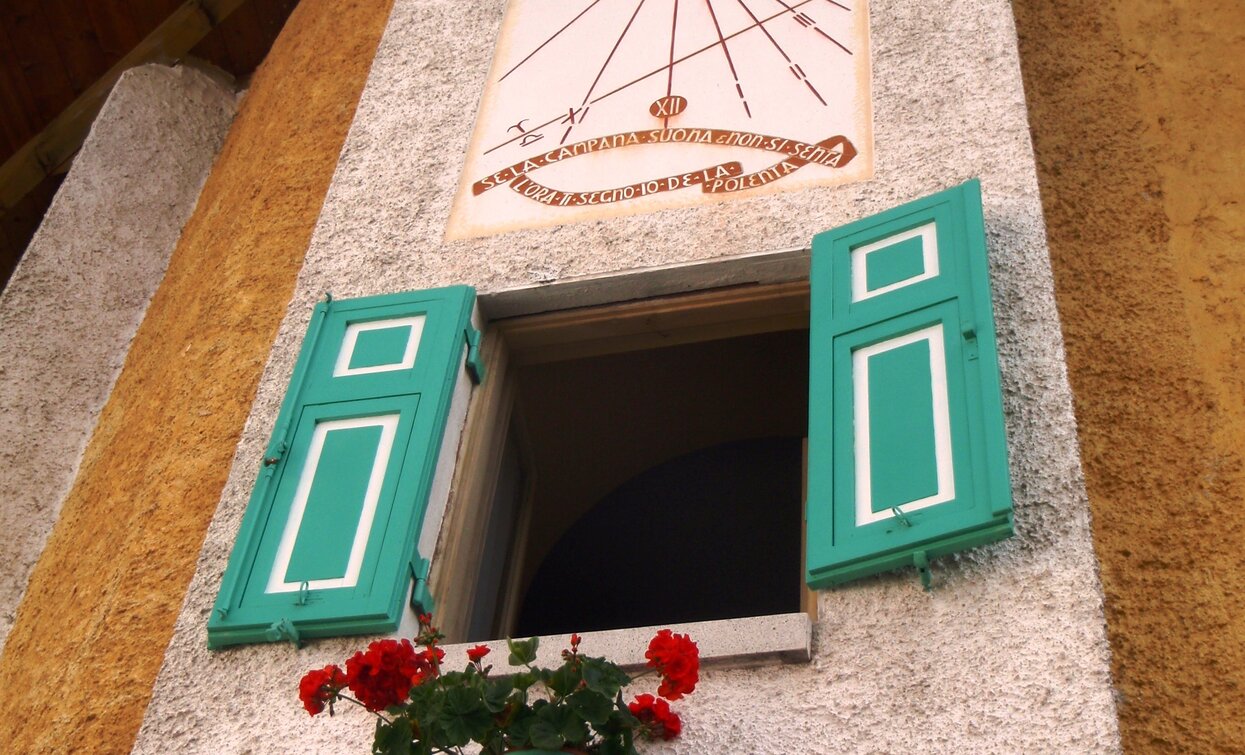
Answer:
(54, 147)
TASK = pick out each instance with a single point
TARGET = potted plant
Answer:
(578, 707)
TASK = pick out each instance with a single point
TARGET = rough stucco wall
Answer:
(92, 268)
(1142, 193)
(91, 631)
(1008, 654)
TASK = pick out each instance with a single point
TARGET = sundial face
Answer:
(598, 108)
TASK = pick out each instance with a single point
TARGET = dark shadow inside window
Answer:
(664, 484)
(713, 534)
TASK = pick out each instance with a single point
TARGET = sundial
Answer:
(598, 108)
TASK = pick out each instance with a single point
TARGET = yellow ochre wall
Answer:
(90, 633)
(1136, 109)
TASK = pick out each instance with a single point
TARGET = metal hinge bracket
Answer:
(421, 594)
(921, 561)
(475, 367)
(283, 630)
(968, 329)
(273, 456)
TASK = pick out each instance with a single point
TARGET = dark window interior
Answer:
(712, 534)
(662, 485)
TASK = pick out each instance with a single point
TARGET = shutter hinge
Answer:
(283, 630)
(475, 367)
(421, 593)
(968, 330)
(921, 561)
(274, 454)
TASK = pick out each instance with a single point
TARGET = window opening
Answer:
(644, 483)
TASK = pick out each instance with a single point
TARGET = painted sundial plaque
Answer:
(599, 108)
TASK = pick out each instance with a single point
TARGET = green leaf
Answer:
(545, 735)
(426, 703)
(624, 712)
(393, 738)
(450, 679)
(628, 744)
(569, 726)
(616, 746)
(591, 706)
(496, 747)
(464, 718)
(564, 680)
(524, 679)
(497, 694)
(520, 728)
(604, 677)
(381, 736)
(523, 652)
(615, 732)
(574, 730)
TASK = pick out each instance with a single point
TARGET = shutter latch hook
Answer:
(902, 517)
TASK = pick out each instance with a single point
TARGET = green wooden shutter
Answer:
(907, 453)
(327, 543)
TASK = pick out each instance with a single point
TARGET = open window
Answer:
(633, 464)
(640, 462)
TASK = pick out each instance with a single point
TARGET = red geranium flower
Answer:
(677, 659)
(655, 714)
(432, 656)
(384, 675)
(573, 653)
(320, 686)
(476, 653)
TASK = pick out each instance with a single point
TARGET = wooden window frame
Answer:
(512, 342)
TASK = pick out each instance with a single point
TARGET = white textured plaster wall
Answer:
(1007, 653)
(76, 299)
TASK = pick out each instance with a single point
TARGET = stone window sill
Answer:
(724, 643)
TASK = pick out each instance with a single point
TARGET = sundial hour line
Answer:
(720, 43)
(726, 50)
(604, 65)
(593, 4)
(550, 39)
(792, 66)
(674, 24)
(808, 22)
